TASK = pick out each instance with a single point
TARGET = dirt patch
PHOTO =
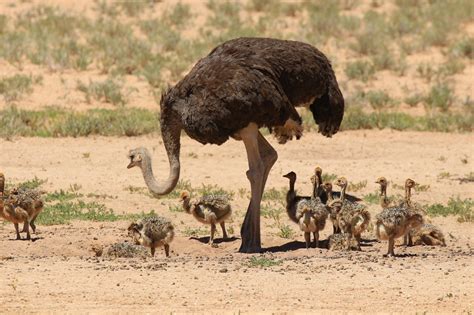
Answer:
(60, 271)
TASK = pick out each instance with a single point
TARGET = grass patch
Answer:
(360, 70)
(108, 91)
(328, 177)
(285, 231)
(55, 122)
(14, 87)
(64, 212)
(188, 231)
(274, 194)
(263, 262)
(357, 186)
(441, 96)
(463, 209)
(355, 118)
(373, 198)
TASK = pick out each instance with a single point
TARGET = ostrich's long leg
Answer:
(250, 231)
(269, 157)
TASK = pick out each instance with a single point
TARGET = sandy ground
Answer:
(59, 271)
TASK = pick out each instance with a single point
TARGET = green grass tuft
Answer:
(263, 262)
(456, 206)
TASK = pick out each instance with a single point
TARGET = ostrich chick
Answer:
(427, 234)
(327, 187)
(352, 217)
(152, 232)
(338, 242)
(21, 206)
(311, 216)
(31, 201)
(210, 209)
(292, 198)
(394, 222)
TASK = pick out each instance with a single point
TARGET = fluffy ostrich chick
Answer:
(152, 232)
(211, 209)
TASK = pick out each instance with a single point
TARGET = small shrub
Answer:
(357, 186)
(413, 99)
(426, 71)
(285, 231)
(463, 48)
(360, 70)
(14, 87)
(451, 67)
(440, 97)
(379, 100)
(108, 91)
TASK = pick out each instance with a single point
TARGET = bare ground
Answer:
(59, 271)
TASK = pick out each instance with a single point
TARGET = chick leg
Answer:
(167, 250)
(213, 231)
(17, 229)
(391, 245)
(316, 239)
(224, 232)
(307, 238)
(152, 248)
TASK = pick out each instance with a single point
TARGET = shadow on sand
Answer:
(205, 239)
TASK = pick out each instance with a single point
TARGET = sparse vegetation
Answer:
(263, 262)
(108, 91)
(462, 208)
(13, 87)
(360, 70)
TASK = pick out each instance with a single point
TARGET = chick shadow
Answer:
(206, 239)
(294, 245)
(33, 239)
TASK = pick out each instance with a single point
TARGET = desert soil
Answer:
(59, 271)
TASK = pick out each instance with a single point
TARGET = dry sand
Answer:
(59, 271)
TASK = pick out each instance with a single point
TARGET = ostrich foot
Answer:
(250, 234)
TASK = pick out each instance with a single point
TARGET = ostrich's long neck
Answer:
(315, 187)
(290, 195)
(343, 192)
(170, 131)
(407, 194)
(383, 196)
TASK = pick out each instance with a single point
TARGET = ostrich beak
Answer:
(287, 175)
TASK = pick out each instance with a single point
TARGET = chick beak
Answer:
(131, 164)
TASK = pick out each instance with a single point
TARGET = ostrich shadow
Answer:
(206, 239)
(294, 245)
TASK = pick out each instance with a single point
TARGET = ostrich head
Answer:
(137, 156)
(382, 181)
(134, 232)
(318, 170)
(184, 195)
(341, 182)
(291, 176)
(410, 183)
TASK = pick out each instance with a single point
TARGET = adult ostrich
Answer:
(242, 85)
